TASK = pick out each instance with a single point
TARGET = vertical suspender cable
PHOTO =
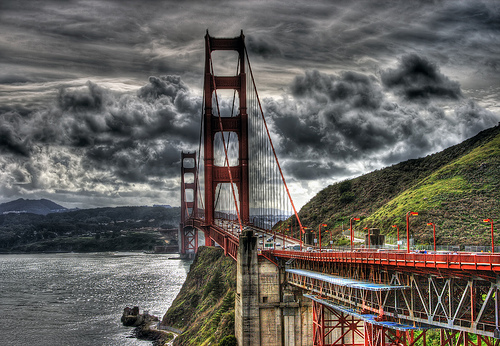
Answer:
(271, 143)
(198, 165)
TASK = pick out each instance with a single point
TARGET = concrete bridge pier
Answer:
(267, 312)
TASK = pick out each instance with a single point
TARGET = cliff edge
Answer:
(204, 307)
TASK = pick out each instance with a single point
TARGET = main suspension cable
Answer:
(271, 143)
(198, 165)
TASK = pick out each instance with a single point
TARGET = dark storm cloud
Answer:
(11, 143)
(164, 107)
(343, 121)
(417, 79)
(162, 86)
(356, 89)
(334, 116)
(134, 161)
(262, 47)
(90, 99)
(13, 79)
(347, 122)
(135, 138)
(15, 109)
(141, 137)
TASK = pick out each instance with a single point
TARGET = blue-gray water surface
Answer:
(78, 299)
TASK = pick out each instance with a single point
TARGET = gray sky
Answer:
(98, 98)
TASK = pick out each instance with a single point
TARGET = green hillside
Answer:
(455, 189)
(204, 307)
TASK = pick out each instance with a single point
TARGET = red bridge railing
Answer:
(452, 261)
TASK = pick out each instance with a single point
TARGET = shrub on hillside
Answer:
(229, 340)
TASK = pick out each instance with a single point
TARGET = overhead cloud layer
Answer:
(347, 124)
(105, 141)
(348, 86)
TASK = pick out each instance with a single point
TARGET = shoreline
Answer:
(148, 327)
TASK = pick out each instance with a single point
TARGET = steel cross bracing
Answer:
(337, 328)
(364, 329)
(463, 301)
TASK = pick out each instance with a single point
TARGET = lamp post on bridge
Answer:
(301, 235)
(274, 240)
(284, 237)
(433, 233)
(315, 239)
(368, 242)
(408, 229)
(492, 237)
(324, 225)
(350, 229)
(396, 226)
(331, 241)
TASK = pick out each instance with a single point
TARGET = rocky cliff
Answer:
(204, 307)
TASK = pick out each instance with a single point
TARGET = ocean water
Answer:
(78, 299)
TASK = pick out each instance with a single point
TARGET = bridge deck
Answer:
(345, 282)
(473, 262)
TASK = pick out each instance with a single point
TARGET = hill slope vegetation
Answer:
(204, 307)
(455, 189)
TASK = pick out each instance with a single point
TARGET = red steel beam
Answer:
(457, 262)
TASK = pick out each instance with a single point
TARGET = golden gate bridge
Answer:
(234, 191)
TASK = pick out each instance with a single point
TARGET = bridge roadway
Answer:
(454, 292)
(226, 234)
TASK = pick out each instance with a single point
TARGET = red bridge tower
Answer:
(238, 124)
(188, 235)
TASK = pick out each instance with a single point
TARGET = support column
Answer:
(247, 319)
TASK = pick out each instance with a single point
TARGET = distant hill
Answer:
(33, 206)
(88, 230)
(455, 189)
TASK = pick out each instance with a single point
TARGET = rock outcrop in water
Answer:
(132, 318)
(145, 326)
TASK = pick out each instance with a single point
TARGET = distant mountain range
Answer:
(33, 206)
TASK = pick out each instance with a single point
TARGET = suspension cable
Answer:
(199, 158)
(271, 143)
